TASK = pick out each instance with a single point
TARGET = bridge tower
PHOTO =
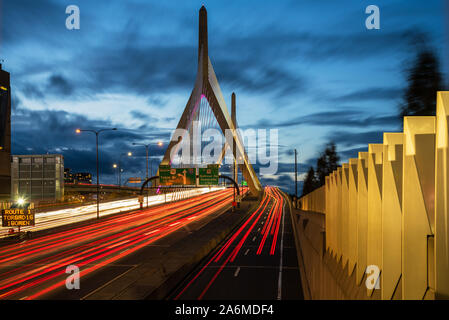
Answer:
(207, 92)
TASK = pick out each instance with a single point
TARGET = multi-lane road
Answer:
(37, 268)
(257, 261)
(56, 218)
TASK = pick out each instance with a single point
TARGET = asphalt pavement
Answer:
(258, 260)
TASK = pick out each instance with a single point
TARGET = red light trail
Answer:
(272, 206)
(43, 261)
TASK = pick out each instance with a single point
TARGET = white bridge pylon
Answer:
(207, 87)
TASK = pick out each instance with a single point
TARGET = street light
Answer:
(147, 148)
(97, 132)
(116, 173)
(129, 154)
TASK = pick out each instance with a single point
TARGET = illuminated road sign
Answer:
(208, 176)
(17, 217)
(177, 176)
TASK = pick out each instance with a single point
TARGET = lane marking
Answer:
(246, 252)
(254, 238)
(117, 244)
(236, 273)
(258, 229)
(151, 232)
(107, 283)
(282, 251)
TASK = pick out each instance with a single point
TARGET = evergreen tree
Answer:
(309, 182)
(423, 81)
(326, 163)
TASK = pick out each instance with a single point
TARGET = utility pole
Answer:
(147, 158)
(296, 174)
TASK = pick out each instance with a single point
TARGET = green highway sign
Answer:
(208, 176)
(177, 176)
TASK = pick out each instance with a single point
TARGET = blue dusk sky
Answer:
(308, 68)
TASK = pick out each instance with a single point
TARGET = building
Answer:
(82, 177)
(38, 177)
(68, 176)
(77, 177)
(5, 136)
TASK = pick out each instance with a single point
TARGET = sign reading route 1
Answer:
(17, 217)
(177, 176)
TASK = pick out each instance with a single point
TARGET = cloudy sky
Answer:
(308, 68)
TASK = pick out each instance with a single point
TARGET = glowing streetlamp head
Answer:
(78, 131)
(21, 201)
(114, 166)
(130, 154)
(159, 143)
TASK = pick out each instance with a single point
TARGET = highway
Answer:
(56, 218)
(36, 268)
(257, 261)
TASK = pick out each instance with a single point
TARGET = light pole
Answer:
(129, 154)
(296, 174)
(296, 168)
(115, 166)
(147, 150)
(97, 132)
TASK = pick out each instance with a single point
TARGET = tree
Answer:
(326, 163)
(309, 182)
(423, 81)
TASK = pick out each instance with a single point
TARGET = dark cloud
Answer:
(351, 153)
(120, 62)
(371, 94)
(349, 117)
(49, 131)
(157, 101)
(139, 115)
(351, 139)
(323, 47)
(59, 85)
(32, 92)
(247, 75)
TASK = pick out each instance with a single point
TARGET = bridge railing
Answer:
(387, 211)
